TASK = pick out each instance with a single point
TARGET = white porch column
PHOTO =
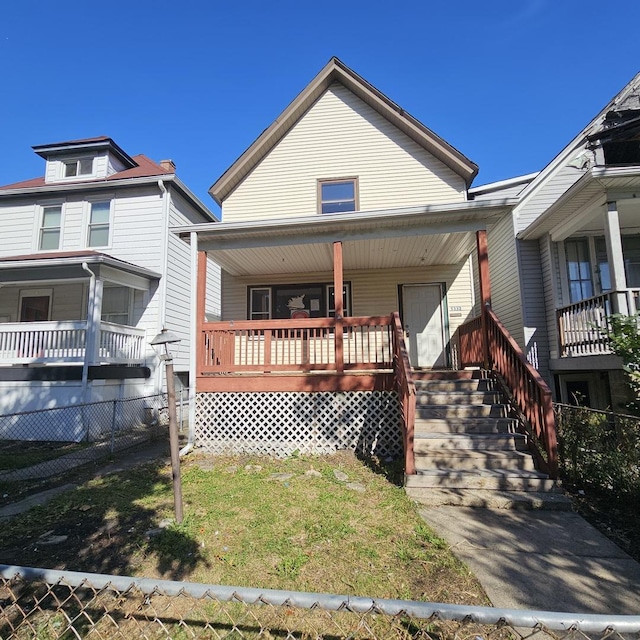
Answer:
(92, 337)
(615, 257)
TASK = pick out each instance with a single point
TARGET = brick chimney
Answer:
(168, 165)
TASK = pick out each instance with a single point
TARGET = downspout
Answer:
(92, 301)
(162, 293)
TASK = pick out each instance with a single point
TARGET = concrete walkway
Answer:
(541, 560)
(144, 453)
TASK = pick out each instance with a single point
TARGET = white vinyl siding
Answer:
(178, 312)
(341, 136)
(505, 283)
(534, 306)
(67, 301)
(551, 285)
(545, 195)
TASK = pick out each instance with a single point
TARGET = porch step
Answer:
(447, 374)
(462, 410)
(474, 459)
(466, 425)
(456, 396)
(468, 449)
(474, 442)
(494, 479)
(491, 499)
(458, 386)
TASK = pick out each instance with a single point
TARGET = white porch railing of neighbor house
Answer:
(120, 344)
(66, 342)
(582, 325)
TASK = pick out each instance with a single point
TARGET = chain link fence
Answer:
(41, 603)
(38, 445)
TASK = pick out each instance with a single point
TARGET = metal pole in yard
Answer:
(165, 338)
(113, 426)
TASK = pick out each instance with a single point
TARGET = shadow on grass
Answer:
(112, 524)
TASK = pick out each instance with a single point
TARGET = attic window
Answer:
(338, 196)
(80, 167)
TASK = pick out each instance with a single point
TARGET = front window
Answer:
(50, 228)
(338, 196)
(578, 269)
(98, 235)
(295, 301)
(80, 167)
(116, 302)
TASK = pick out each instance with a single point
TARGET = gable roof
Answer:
(626, 98)
(336, 71)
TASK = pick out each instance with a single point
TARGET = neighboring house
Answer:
(348, 230)
(575, 256)
(89, 274)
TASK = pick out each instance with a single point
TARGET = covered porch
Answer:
(407, 275)
(76, 308)
(592, 239)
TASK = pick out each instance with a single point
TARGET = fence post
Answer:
(113, 425)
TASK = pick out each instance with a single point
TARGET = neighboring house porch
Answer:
(590, 248)
(69, 323)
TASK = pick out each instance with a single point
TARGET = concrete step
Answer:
(448, 374)
(490, 499)
(466, 425)
(462, 411)
(487, 479)
(470, 384)
(425, 398)
(489, 442)
(473, 459)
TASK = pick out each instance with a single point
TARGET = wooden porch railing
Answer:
(582, 325)
(314, 344)
(406, 393)
(529, 391)
(318, 345)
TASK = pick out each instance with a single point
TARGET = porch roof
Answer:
(578, 208)
(67, 265)
(390, 238)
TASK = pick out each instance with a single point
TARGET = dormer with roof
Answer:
(88, 159)
(89, 265)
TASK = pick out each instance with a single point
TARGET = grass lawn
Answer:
(325, 524)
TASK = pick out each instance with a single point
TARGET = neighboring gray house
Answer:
(569, 256)
(90, 273)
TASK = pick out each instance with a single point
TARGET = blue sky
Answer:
(507, 82)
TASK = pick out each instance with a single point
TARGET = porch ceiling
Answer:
(580, 208)
(424, 236)
(49, 267)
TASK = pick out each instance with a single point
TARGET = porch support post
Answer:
(616, 260)
(194, 334)
(338, 287)
(485, 290)
(201, 301)
(92, 335)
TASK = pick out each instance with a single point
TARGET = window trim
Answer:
(325, 286)
(42, 206)
(356, 192)
(35, 293)
(87, 234)
(129, 303)
(63, 163)
(346, 311)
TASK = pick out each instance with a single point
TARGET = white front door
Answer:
(423, 324)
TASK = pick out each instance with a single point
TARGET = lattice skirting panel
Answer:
(281, 423)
